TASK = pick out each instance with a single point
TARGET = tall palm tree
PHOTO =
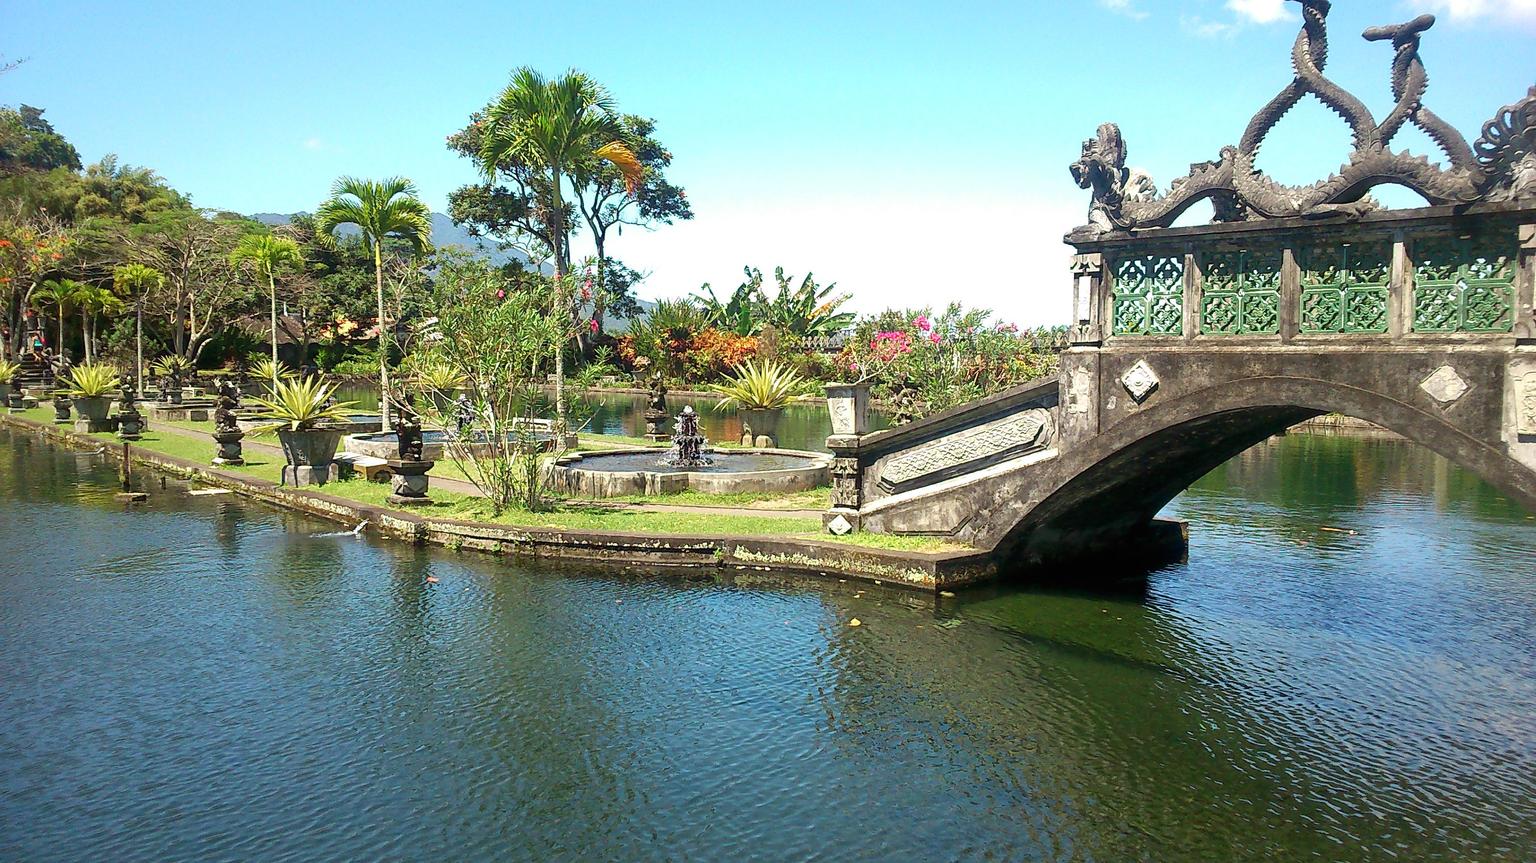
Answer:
(59, 293)
(93, 301)
(137, 280)
(379, 209)
(555, 125)
(268, 254)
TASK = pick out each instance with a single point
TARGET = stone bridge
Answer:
(1191, 344)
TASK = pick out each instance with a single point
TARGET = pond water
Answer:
(1344, 670)
(803, 427)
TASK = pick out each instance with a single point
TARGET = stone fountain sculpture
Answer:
(656, 410)
(687, 444)
(226, 428)
(408, 472)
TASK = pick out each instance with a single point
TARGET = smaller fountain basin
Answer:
(625, 472)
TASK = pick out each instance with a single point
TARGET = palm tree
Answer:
(379, 209)
(60, 294)
(137, 280)
(93, 301)
(554, 126)
(268, 254)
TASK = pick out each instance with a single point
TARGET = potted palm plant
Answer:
(270, 373)
(8, 372)
(92, 386)
(172, 370)
(760, 393)
(439, 382)
(302, 413)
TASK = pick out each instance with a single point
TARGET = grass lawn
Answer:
(568, 515)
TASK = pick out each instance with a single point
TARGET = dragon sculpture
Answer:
(1499, 166)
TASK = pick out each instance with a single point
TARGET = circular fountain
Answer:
(689, 464)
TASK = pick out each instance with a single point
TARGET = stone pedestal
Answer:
(228, 447)
(303, 474)
(61, 406)
(847, 485)
(656, 425)
(130, 425)
(14, 400)
(408, 482)
(848, 406)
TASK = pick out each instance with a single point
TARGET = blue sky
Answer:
(914, 153)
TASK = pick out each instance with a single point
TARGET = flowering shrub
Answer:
(922, 363)
(699, 356)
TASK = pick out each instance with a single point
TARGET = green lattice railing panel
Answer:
(1344, 287)
(1464, 284)
(1241, 294)
(1148, 296)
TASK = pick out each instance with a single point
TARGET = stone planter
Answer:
(92, 413)
(764, 424)
(311, 455)
(229, 447)
(5, 394)
(848, 405)
(13, 397)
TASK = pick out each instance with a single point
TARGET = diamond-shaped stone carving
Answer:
(1139, 380)
(1444, 385)
(839, 526)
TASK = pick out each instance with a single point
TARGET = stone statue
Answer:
(463, 414)
(130, 423)
(687, 444)
(224, 419)
(656, 411)
(1499, 166)
(408, 429)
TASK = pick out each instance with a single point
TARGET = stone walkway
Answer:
(458, 486)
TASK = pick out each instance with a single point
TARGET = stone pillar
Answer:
(1088, 300)
(1194, 294)
(847, 483)
(1525, 286)
(1077, 416)
(1290, 295)
(408, 482)
(1400, 290)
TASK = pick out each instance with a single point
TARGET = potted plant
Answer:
(172, 370)
(300, 411)
(8, 372)
(270, 374)
(439, 382)
(92, 385)
(760, 392)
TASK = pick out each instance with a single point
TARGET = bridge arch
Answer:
(1109, 488)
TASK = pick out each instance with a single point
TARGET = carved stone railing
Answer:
(1431, 273)
(920, 456)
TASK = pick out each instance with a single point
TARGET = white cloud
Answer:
(1465, 11)
(1260, 11)
(1124, 7)
(1204, 28)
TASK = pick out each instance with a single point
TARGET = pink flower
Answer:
(586, 292)
(922, 323)
(934, 337)
(592, 325)
(853, 367)
(501, 295)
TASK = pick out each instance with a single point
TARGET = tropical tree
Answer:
(554, 127)
(59, 294)
(379, 209)
(268, 255)
(93, 301)
(606, 199)
(136, 281)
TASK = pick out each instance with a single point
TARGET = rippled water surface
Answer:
(1345, 670)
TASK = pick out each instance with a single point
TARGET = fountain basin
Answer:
(624, 472)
